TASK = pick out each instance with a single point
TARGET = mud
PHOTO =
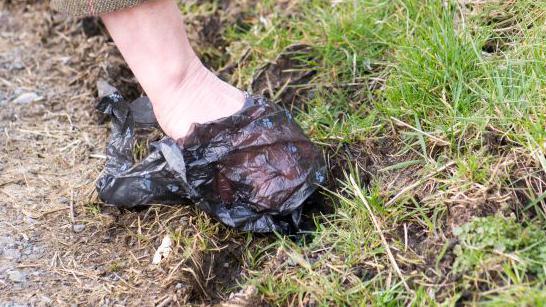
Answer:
(223, 270)
(528, 183)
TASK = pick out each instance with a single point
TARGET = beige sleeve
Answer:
(91, 7)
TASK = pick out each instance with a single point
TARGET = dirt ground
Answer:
(56, 246)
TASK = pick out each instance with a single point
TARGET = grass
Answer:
(444, 104)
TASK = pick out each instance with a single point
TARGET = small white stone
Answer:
(12, 253)
(27, 98)
(78, 228)
(17, 276)
(46, 300)
(163, 250)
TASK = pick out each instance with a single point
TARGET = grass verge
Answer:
(431, 114)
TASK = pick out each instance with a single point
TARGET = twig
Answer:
(98, 156)
(375, 222)
(41, 215)
(72, 213)
(16, 181)
(405, 237)
(166, 301)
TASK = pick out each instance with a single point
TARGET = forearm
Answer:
(153, 41)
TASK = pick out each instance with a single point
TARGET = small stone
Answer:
(63, 200)
(6, 241)
(27, 98)
(17, 65)
(65, 60)
(18, 91)
(12, 253)
(3, 99)
(78, 228)
(291, 262)
(46, 300)
(17, 276)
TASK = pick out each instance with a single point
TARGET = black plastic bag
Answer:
(252, 170)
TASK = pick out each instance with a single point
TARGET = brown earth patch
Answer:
(479, 201)
(504, 18)
(375, 159)
(287, 78)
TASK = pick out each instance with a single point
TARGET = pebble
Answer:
(78, 228)
(27, 98)
(17, 65)
(46, 300)
(5, 266)
(17, 276)
(7, 241)
(63, 200)
(12, 253)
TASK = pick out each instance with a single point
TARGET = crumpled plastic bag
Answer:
(252, 170)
